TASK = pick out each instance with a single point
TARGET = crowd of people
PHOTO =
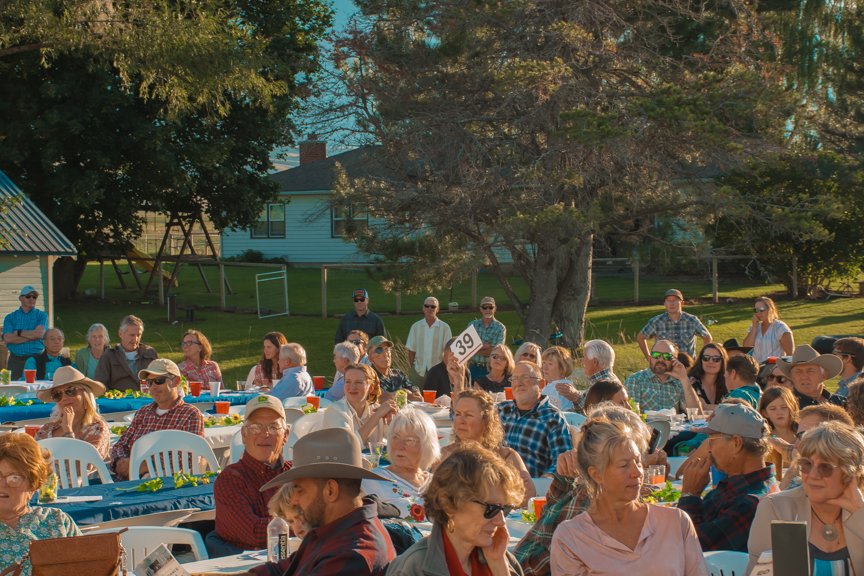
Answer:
(776, 446)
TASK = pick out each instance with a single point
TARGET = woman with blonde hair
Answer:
(830, 500)
(768, 335)
(475, 419)
(619, 534)
(197, 365)
(501, 366)
(528, 352)
(359, 410)
(468, 500)
(557, 364)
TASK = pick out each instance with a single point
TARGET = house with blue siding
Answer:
(299, 225)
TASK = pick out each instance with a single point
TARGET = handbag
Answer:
(88, 555)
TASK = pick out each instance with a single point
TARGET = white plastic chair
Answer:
(662, 426)
(675, 463)
(541, 485)
(168, 451)
(139, 541)
(726, 563)
(574, 418)
(292, 415)
(13, 390)
(71, 459)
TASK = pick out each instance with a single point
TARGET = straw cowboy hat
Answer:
(831, 365)
(329, 453)
(69, 375)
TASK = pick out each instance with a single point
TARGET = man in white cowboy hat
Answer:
(76, 414)
(241, 506)
(167, 412)
(346, 537)
(808, 371)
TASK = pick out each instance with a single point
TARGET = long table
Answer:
(116, 504)
(107, 406)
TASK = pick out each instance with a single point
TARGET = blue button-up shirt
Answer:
(295, 382)
(538, 435)
(20, 320)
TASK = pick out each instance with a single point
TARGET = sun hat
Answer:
(265, 401)
(737, 420)
(70, 375)
(805, 354)
(330, 453)
(674, 292)
(160, 367)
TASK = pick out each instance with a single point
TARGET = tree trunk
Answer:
(67, 276)
(571, 305)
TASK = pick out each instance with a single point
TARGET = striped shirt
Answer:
(427, 342)
(20, 320)
(683, 332)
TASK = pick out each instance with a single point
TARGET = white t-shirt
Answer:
(768, 344)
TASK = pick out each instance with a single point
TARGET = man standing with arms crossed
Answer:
(23, 331)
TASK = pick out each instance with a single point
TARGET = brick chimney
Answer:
(312, 150)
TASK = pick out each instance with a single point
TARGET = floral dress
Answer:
(396, 491)
(36, 524)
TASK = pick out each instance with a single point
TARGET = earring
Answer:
(450, 526)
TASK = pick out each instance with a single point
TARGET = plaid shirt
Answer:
(651, 393)
(355, 544)
(241, 508)
(19, 320)
(723, 517)
(683, 332)
(181, 416)
(539, 435)
(843, 384)
(493, 334)
(206, 373)
(565, 500)
(395, 381)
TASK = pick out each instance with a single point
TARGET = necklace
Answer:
(828, 531)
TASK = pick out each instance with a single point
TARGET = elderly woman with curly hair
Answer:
(24, 467)
(467, 500)
(830, 500)
(619, 534)
(359, 410)
(475, 419)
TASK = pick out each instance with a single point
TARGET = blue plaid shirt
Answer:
(843, 384)
(493, 334)
(683, 332)
(539, 435)
(652, 393)
(19, 320)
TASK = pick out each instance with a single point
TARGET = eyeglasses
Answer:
(487, 307)
(356, 342)
(663, 355)
(409, 441)
(712, 358)
(71, 392)
(157, 381)
(839, 353)
(492, 510)
(824, 469)
(429, 306)
(359, 299)
(13, 480)
(256, 429)
(778, 377)
(31, 296)
(760, 309)
(524, 379)
(188, 343)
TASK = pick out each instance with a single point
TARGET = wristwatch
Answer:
(686, 494)
(18, 332)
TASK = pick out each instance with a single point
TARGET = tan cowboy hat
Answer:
(329, 453)
(805, 354)
(70, 375)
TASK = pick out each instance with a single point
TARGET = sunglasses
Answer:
(31, 296)
(760, 309)
(429, 306)
(189, 343)
(839, 353)
(487, 307)
(824, 469)
(158, 381)
(663, 355)
(356, 342)
(712, 358)
(380, 349)
(779, 378)
(70, 392)
(492, 510)
(359, 299)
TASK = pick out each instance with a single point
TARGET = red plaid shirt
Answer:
(206, 373)
(241, 508)
(181, 416)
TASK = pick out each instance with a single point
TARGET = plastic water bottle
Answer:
(277, 540)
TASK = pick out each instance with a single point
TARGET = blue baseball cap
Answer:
(361, 293)
(28, 289)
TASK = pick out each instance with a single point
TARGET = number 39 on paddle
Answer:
(466, 344)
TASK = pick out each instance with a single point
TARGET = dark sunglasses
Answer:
(712, 358)
(487, 307)
(31, 296)
(380, 349)
(429, 306)
(158, 381)
(663, 355)
(356, 342)
(71, 392)
(359, 299)
(492, 510)
(780, 379)
(824, 469)
(761, 309)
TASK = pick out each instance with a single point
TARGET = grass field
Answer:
(236, 337)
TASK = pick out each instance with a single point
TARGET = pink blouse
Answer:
(668, 546)
(206, 373)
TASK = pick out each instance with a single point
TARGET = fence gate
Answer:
(271, 293)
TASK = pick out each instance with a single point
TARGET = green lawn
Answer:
(237, 336)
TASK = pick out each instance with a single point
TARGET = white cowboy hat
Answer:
(831, 365)
(70, 375)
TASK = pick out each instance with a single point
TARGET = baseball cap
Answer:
(737, 419)
(361, 293)
(487, 300)
(265, 401)
(28, 289)
(674, 292)
(160, 367)
(378, 341)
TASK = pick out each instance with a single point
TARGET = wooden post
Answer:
(635, 265)
(221, 286)
(161, 281)
(398, 302)
(794, 276)
(715, 297)
(285, 285)
(474, 291)
(324, 292)
(102, 278)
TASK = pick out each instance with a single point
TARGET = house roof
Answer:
(319, 175)
(24, 229)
